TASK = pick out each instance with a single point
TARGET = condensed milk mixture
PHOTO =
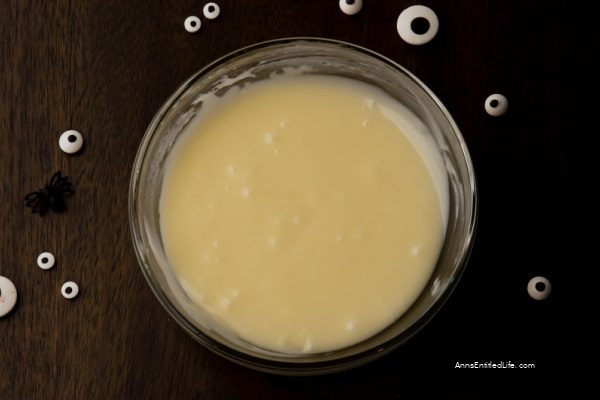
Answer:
(305, 213)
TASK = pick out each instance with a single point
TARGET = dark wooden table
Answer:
(104, 67)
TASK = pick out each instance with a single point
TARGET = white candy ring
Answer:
(417, 25)
(46, 260)
(211, 10)
(496, 105)
(8, 296)
(69, 290)
(539, 288)
(70, 141)
(351, 7)
(192, 24)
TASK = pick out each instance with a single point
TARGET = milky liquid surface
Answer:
(305, 213)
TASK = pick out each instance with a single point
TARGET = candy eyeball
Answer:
(70, 141)
(8, 296)
(192, 24)
(496, 105)
(46, 260)
(351, 7)
(417, 25)
(539, 288)
(69, 290)
(211, 10)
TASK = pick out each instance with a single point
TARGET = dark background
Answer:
(104, 67)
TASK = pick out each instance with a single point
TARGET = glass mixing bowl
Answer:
(315, 56)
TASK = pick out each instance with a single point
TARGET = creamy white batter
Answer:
(305, 213)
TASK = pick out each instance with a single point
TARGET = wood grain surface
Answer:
(104, 67)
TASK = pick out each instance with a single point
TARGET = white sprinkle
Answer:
(307, 345)
(272, 241)
(234, 293)
(192, 24)
(215, 243)
(268, 138)
(227, 188)
(69, 290)
(350, 325)
(230, 170)
(283, 124)
(224, 303)
(339, 237)
(369, 102)
(296, 220)
(416, 249)
(365, 123)
(211, 10)
(246, 192)
(277, 151)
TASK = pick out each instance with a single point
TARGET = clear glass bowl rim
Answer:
(290, 367)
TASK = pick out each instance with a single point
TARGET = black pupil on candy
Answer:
(540, 286)
(72, 138)
(68, 290)
(44, 260)
(193, 23)
(349, 2)
(494, 103)
(419, 25)
(211, 8)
